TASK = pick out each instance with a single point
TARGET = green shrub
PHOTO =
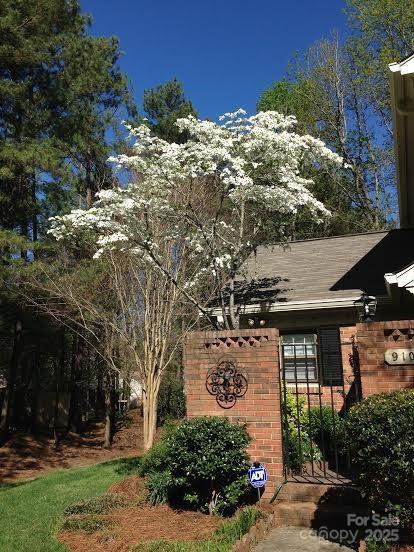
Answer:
(159, 486)
(87, 524)
(325, 420)
(155, 459)
(327, 429)
(200, 464)
(298, 451)
(373, 546)
(380, 438)
(171, 397)
(97, 505)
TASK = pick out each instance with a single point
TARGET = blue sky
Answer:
(225, 53)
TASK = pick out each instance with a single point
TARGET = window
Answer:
(299, 357)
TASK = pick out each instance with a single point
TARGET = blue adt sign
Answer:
(257, 475)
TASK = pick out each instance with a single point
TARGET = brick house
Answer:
(299, 323)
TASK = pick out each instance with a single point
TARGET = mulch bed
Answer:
(135, 525)
(129, 488)
(25, 455)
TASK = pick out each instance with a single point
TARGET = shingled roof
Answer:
(324, 269)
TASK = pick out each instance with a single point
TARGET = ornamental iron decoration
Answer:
(226, 383)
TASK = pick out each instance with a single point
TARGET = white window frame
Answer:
(314, 355)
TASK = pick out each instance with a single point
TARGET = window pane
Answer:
(299, 354)
(298, 338)
(304, 371)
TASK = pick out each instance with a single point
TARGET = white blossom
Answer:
(251, 163)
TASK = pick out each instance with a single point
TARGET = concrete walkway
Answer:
(297, 539)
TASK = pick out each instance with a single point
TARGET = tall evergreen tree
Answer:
(163, 105)
(60, 92)
(59, 89)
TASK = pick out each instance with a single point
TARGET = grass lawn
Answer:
(29, 510)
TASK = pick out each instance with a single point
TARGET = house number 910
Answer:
(399, 356)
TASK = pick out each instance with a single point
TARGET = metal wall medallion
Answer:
(225, 383)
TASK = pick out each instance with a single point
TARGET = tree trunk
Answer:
(58, 372)
(11, 376)
(149, 405)
(34, 216)
(108, 414)
(56, 436)
(35, 391)
(98, 395)
(74, 418)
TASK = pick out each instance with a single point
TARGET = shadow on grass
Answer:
(126, 466)
(5, 486)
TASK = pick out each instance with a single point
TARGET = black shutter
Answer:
(330, 357)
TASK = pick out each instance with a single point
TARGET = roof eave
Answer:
(317, 304)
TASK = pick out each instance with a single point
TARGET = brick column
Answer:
(373, 339)
(256, 354)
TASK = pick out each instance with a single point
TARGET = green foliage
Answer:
(171, 397)
(156, 458)
(221, 541)
(325, 424)
(163, 105)
(304, 96)
(86, 524)
(383, 33)
(380, 438)
(97, 505)
(159, 487)
(374, 546)
(201, 464)
(291, 98)
(299, 445)
(29, 510)
(59, 88)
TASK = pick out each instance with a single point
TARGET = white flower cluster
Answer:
(244, 163)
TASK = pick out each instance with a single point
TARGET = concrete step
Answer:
(320, 494)
(310, 514)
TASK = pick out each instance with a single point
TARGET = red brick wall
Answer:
(373, 339)
(256, 354)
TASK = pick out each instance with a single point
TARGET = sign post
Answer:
(257, 477)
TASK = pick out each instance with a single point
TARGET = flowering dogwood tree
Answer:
(208, 199)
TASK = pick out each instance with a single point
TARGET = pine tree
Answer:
(61, 91)
(163, 105)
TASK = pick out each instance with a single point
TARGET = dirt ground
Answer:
(135, 525)
(138, 523)
(25, 455)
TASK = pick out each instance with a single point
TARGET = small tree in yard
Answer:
(127, 314)
(193, 212)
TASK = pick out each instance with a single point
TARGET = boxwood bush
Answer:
(200, 464)
(380, 439)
